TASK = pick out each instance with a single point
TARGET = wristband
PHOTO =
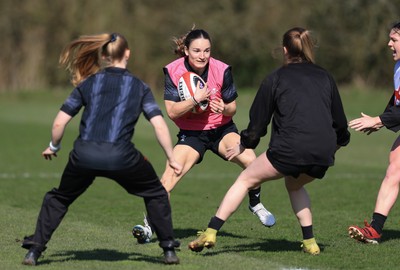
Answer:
(54, 148)
(195, 103)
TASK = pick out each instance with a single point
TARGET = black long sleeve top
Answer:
(308, 120)
(391, 116)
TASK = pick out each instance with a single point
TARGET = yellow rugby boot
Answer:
(206, 238)
(310, 246)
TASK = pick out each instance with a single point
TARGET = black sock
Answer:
(254, 196)
(307, 232)
(215, 223)
(377, 222)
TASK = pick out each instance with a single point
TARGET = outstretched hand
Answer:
(366, 124)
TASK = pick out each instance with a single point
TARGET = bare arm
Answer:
(164, 138)
(176, 110)
(57, 132)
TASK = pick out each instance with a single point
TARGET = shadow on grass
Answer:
(390, 235)
(277, 245)
(108, 255)
(184, 233)
(269, 245)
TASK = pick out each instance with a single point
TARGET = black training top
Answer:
(113, 100)
(308, 120)
(391, 116)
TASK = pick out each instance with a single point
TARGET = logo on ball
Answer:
(187, 88)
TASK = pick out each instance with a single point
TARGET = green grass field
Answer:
(96, 233)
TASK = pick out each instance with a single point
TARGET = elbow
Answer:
(172, 116)
(57, 126)
(232, 113)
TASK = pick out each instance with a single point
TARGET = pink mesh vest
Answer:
(206, 120)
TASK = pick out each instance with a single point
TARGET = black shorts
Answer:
(203, 140)
(315, 171)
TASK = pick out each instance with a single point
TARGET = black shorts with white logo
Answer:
(203, 140)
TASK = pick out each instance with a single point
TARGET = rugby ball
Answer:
(187, 87)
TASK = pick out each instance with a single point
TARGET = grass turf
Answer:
(96, 233)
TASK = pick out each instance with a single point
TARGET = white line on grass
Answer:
(26, 175)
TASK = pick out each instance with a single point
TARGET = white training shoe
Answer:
(266, 217)
(143, 234)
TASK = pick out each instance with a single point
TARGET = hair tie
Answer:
(113, 37)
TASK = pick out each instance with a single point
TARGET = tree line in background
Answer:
(352, 36)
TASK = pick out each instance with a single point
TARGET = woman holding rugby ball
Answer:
(212, 129)
(308, 126)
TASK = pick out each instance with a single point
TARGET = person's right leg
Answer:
(187, 157)
(301, 206)
(389, 189)
(299, 198)
(54, 207)
(230, 140)
(387, 196)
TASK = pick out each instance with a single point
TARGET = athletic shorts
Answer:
(315, 171)
(203, 140)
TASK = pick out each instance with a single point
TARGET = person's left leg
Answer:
(259, 171)
(142, 180)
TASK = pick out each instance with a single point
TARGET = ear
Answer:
(186, 51)
(285, 50)
(127, 54)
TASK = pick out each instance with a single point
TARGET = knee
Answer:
(246, 158)
(292, 186)
(168, 186)
(393, 174)
(55, 197)
(51, 195)
(247, 183)
(169, 180)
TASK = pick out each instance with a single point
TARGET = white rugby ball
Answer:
(187, 87)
